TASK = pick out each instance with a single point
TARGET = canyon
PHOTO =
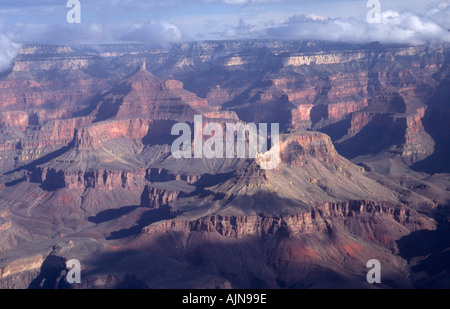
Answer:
(87, 172)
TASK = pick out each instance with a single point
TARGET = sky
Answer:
(162, 22)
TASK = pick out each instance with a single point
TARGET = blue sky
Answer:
(151, 21)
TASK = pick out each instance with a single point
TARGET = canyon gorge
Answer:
(86, 170)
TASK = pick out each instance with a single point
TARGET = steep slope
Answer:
(317, 215)
(143, 94)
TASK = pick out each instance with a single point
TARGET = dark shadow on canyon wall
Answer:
(436, 123)
(428, 252)
(381, 133)
(148, 217)
(337, 130)
(111, 214)
(159, 133)
(52, 274)
(46, 158)
(208, 260)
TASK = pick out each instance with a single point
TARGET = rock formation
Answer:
(86, 169)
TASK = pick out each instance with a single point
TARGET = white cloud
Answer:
(242, 19)
(151, 32)
(160, 32)
(395, 27)
(59, 34)
(8, 51)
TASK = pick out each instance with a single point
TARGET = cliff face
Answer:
(327, 90)
(159, 197)
(96, 179)
(48, 76)
(294, 148)
(291, 246)
(86, 167)
(92, 136)
(317, 219)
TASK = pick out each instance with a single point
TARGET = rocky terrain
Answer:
(86, 170)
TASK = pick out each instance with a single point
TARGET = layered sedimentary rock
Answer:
(359, 121)
(87, 171)
(96, 179)
(144, 94)
(319, 59)
(21, 266)
(311, 221)
(93, 135)
(158, 197)
(32, 85)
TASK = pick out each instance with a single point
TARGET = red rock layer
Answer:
(297, 146)
(92, 136)
(96, 179)
(157, 197)
(313, 220)
(144, 94)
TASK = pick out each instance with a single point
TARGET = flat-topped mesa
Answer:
(294, 147)
(44, 50)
